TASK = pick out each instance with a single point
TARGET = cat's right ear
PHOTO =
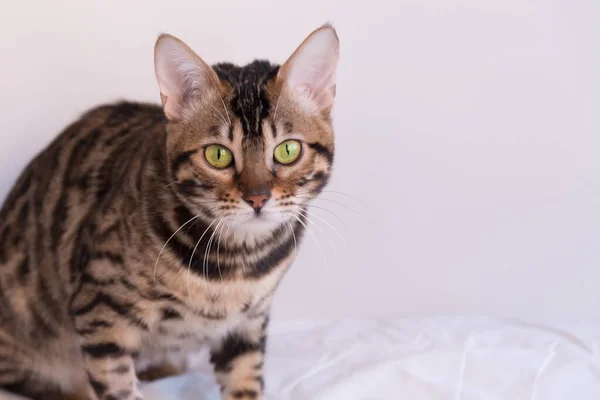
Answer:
(181, 74)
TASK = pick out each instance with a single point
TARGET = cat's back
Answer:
(94, 160)
(75, 159)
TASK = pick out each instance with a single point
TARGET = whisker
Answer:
(171, 237)
(227, 232)
(211, 210)
(338, 192)
(187, 278)
(337, 265)
(327, 210)
(191, 226)
(314, 215)
(221, 114)
(277, 107)
(207, 202)
(294, 236)
(219, 247)
(204, 201)
(207, 250)
(221, 97)
(332, 201)
(313, 237)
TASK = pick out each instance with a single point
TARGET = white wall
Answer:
(471, 129)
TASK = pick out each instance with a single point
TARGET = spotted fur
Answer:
(122, 250)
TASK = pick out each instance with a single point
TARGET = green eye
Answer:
(287, 152)
(218, 156)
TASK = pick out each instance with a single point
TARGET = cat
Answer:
(142, 233)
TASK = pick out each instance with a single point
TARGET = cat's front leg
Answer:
(238, 361)
(108, 344)
(111, 372)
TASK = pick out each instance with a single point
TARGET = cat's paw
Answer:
(241, 394)
(161, 371)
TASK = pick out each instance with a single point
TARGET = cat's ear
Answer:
(310, 71)
(181, 74)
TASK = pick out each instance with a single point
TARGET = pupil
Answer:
(287, 148)
(218, 154)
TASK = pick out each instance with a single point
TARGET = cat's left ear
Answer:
(310, 71)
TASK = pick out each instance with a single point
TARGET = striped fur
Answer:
(121, 249)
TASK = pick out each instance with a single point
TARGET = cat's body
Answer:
(120, 246)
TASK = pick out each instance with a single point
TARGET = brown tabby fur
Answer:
(97, 281)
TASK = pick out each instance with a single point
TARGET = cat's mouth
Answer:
(242, 215)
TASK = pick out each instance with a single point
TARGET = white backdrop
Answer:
(471, 129)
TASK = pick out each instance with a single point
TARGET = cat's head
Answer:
(252, 144)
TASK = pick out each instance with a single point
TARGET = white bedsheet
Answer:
(416, 359)
(429, 359)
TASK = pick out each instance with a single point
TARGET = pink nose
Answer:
(257, 201)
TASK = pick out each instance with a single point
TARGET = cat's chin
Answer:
(261, 224)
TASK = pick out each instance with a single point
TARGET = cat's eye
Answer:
(218, 156)
(287, 152)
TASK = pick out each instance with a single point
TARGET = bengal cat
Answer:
(143, 232)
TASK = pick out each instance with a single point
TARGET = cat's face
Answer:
(248, 146)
